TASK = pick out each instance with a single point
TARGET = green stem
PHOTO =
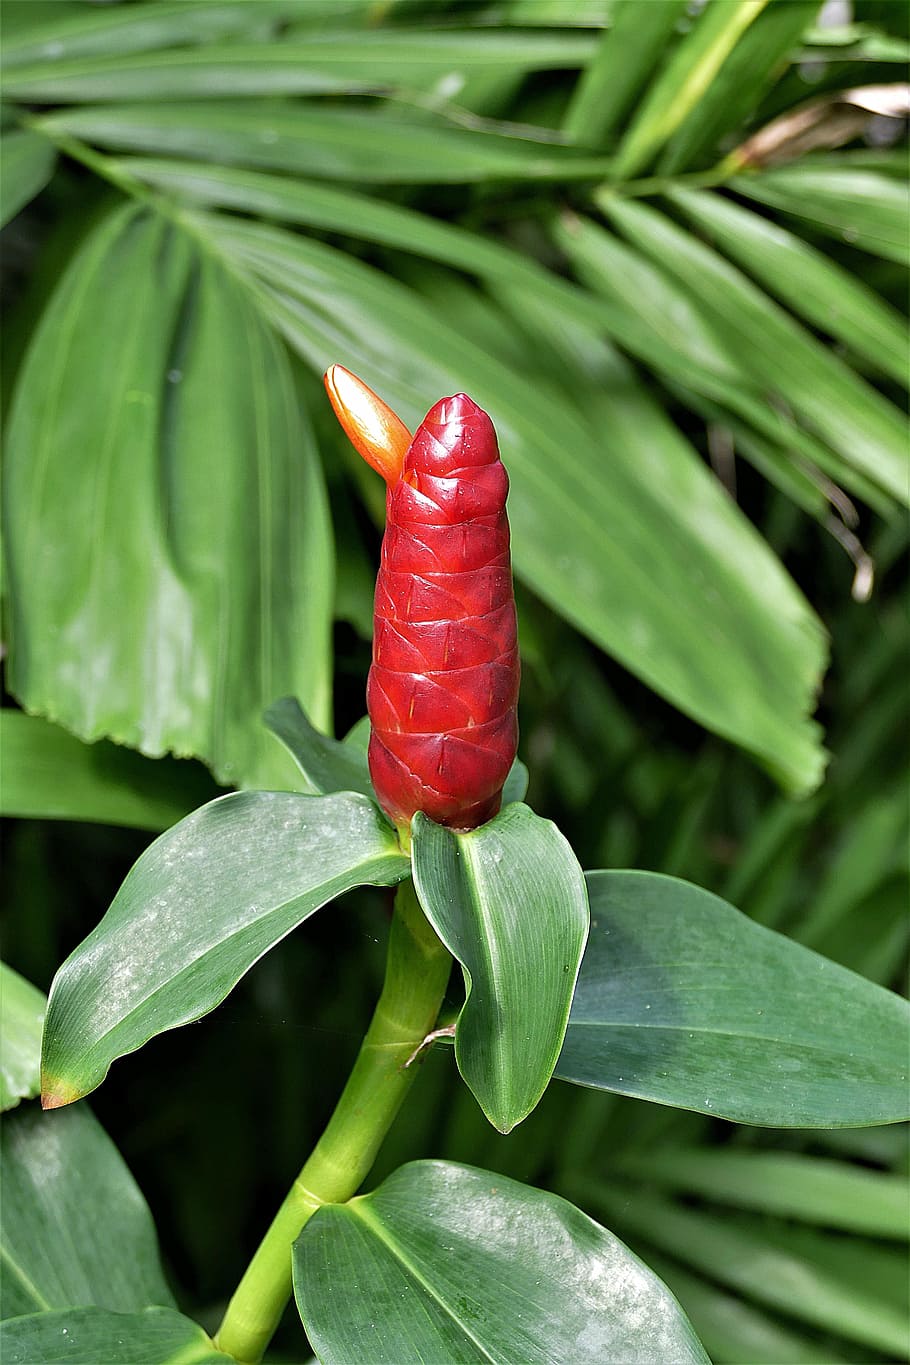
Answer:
(417, 970)
(660, 184)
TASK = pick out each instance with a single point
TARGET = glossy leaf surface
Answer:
(683, 1000)
(28, 164)
(118, 31)
(326, 765)
(729, 102)
(658, 320)
(627, 54)
(176, 511)
(21, 1021)
(337, 144)
(49, 774)
(806, 280)
(854, 1287)
(737, 1331)
(447, 1263)
(199, 908)
(679, 86)
(74, 1227)
(89, 1336)
(851, 416)
(321, 64)
(862, 207)
(516, 787)
(508, 900)
(808, 1188)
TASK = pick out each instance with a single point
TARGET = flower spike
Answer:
(443, 686)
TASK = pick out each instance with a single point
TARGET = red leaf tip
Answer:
(55, 1094)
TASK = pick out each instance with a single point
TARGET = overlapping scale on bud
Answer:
(443, 687)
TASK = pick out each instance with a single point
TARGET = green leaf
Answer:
(447, 1263)
(168, 543)
(358, 737)
(684, 1001)
(639, 322)
(557, 13)
(516, 784)
(28, 164)
(74, 1227)
(681, 84)
(849, 414)
(117, 30)
(508, 900)
(807, 281)
(864, 208)
(811, 1189)
(87, 1336)
(631, 590)
(21, 1020)
(199, 908)
(654, 316)
(49, 774)
(735, 1331)
(325, 142)
(732, 98)
(320, 64)
(623, 62)
(327, 765)
(850, 1286)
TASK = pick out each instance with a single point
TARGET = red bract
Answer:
(443, 687)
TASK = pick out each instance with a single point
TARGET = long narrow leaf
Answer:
(757, 60)
(814, 1190)
(683, 81)
(625, 58)
(851, 416)
(349, 144)
(28, 164)
(848, 1286)
(322, 64)
(509, 901)
(806, 280)
(118, 30)
(862, 207)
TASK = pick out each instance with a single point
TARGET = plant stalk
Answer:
(417, 970)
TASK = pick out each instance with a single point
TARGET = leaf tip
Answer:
(55, 1093)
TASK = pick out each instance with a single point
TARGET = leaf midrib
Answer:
(375, 1225)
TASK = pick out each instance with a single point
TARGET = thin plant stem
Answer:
(417, 970)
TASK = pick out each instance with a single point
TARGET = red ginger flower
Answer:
(443, 688)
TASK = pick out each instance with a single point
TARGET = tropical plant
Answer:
(665, 248)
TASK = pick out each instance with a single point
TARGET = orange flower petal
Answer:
(374, 430)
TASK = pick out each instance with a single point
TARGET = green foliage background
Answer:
(697, 368)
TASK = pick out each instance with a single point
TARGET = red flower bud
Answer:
(443, 689)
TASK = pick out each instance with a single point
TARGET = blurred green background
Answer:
(665, 246)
